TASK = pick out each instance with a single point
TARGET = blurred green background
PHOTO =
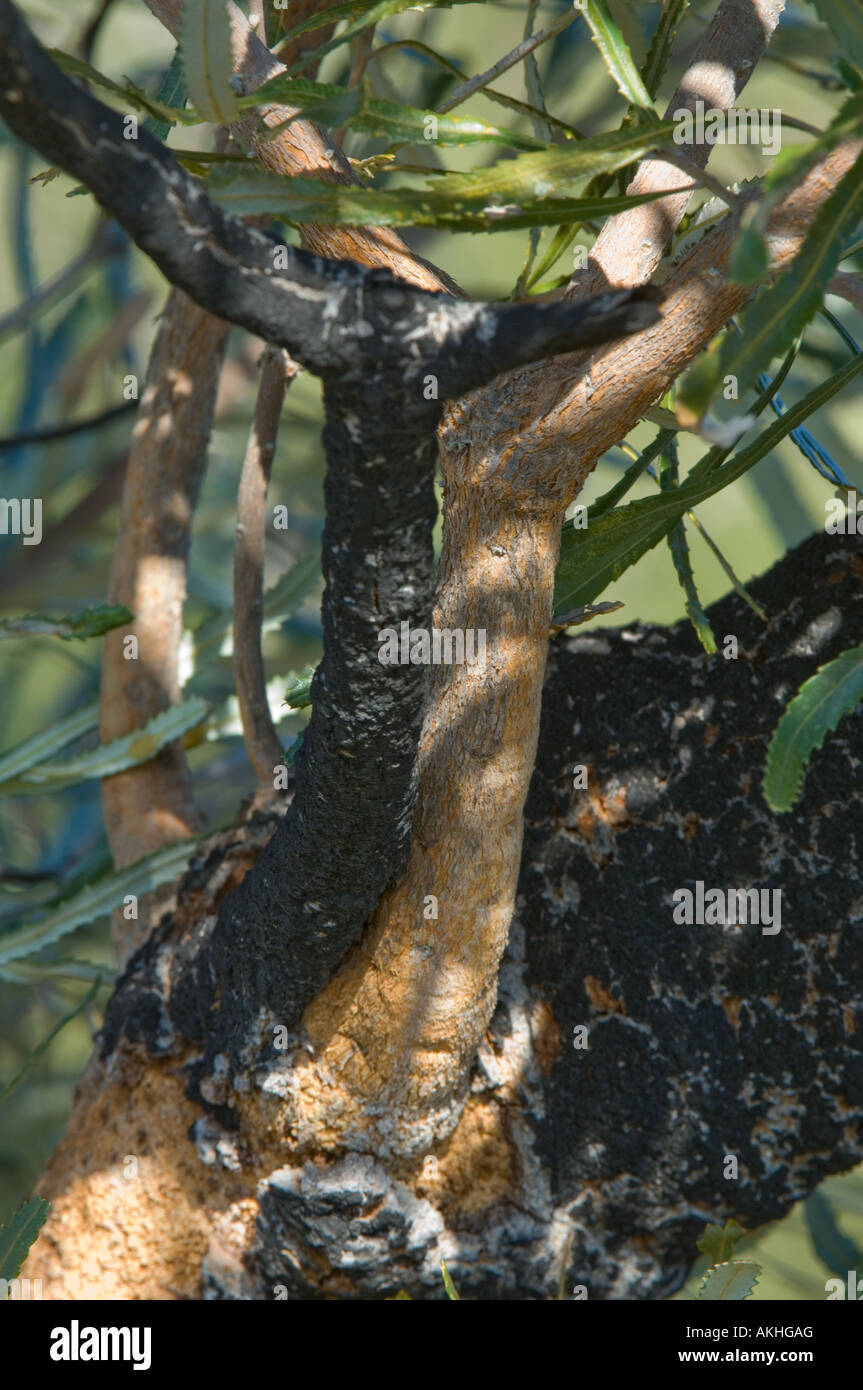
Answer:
(68, 362)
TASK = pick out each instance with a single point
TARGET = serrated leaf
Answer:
(616, 55)
(172, 92)
(729, 1282)
(93, 622)
(845, 19)
(336, 106)
(718, 1242)
(19, 1234)
(592, 559)
(659, 53)
(129, 94)
(133, 748)
(362, 13)
(280, 602)
(42, 745)
(477, 199)
(784, 309)
(95, 901)
(208, 65)
(815, 711)
(257, 192)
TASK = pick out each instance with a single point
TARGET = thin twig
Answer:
(49, 436)
(520, 51)
(263, 744)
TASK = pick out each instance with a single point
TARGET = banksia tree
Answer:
(537, 996)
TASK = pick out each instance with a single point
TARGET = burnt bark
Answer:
(703, 1041)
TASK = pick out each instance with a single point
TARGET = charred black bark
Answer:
(389, 356)
(704, 1042)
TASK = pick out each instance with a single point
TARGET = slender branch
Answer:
(521, 50)
(55, 432)
(303, 148)
(263, 744)
(629, 246)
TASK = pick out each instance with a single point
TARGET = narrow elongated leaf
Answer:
(121, 753)
(172, 92)
(784, 309)
(815, 711)
(592, 559)
(93, 622)
(616, 55)
(536, 176)
(306, 200)
(41, 1047)
(659, 53)
(129, 93)
(845, 19)
(205, 52)
(95, 901)
(730, 1282)
(49, 741)
(281, 601)
(353, 107)
(27, 973)
(20, 1233)
(448, 1284)
(363, 13)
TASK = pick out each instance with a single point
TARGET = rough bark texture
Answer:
(601, 1163)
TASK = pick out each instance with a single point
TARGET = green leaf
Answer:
(281, 601)
(783, 310)
(592, 559)
(369, 11)
(42, 745)
(750, 261)
(845, 19)
(19, 1234)
(337, 106)
(718, 1243)
(448, 1283)
(21, 973)
(95, 901)
(172, 92)
(93, 622)
(133, 748)
(208, 65)
(307, 200)
(129, 94)
(659, 53)
(815, 711)
(616, 56)
(834, 1249)
(729, 1282)
(33, 1056)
